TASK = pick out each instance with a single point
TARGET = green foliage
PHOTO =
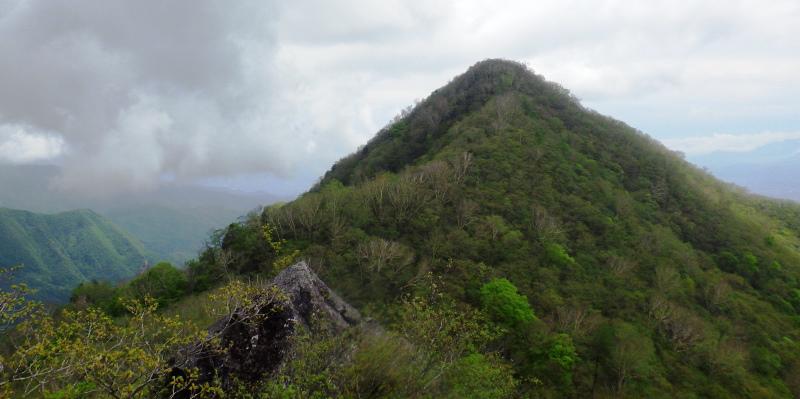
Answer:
(384, 366)
(282, 259)
(442, 328)
(100, 294)
(501, 301)
(557, 255)
(62, 250)
(766, 362)
(15, 304)
(85, 349)
(628, 355)
(728, 261)
(552, 362)
(163, 282)
(420, 360)
(562, 351)
(205, 273)
(73, 391)
(480, 377)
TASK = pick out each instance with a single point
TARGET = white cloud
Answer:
(18, 145)
(721, 142)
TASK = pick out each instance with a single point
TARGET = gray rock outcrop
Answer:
(255, 341)
(311, 302)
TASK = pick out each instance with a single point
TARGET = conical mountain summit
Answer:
(513, 243)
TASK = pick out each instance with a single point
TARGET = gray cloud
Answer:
(136, 90)
(125, 94)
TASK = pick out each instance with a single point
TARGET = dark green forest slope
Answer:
(647, 276)
(59, 251)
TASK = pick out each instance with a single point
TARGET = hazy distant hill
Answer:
(172, 221)
(172, 234)
(61, 250)
(772, 170)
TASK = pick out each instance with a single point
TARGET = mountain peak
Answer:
(413, 133)
(498, 67)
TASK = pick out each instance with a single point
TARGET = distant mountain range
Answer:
(115, 238)
(773, 170)
(61, 250)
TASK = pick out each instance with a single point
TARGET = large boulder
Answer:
(311, 302)
(255, 340)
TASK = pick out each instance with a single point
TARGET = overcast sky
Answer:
(261, 95)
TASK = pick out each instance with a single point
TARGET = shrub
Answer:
(163, 282)
(99, 294)
(481, 377)
(501, 301)
(557, 255)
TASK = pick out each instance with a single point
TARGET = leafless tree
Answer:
(620, 266)
(466, 213)
(504, 109)
(375, 196)
(623, 204)
(225, 258)
(660, 309)
(406, 198)
(628, 357)
(546, 226)
(575, 320)
(495, 225)
(667, 280)
(716, 294)
(679, 325)
(286, 219)
(337, 224)
(437, 175)
(685, 330)
(461, 166)
(377, 254)
(660, 191)
(728, 356)
(307, 210)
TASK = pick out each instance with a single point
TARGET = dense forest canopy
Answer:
(511, 243)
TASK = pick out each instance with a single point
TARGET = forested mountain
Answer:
(59, 251)
(510, 243)
(647, 276)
